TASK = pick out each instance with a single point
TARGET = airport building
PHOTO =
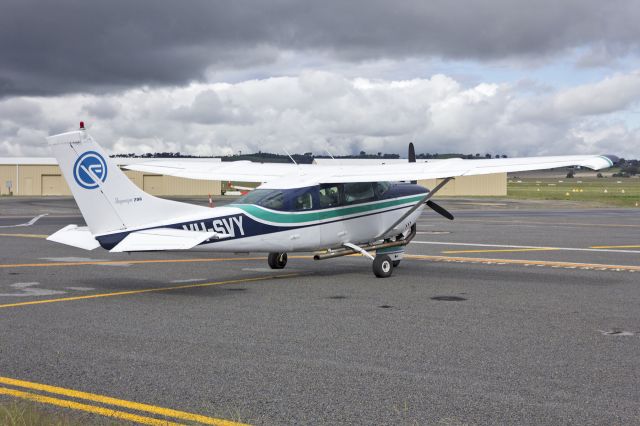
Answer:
(41, 176)
(494, 184)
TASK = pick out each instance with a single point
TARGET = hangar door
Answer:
(53, 185)
(153, 184)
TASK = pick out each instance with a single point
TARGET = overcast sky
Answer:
(215, 77)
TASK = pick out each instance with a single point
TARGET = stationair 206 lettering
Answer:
(332, 210)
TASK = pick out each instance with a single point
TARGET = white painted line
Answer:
(31, 222)
(26, 289)
(445, 243)
(72, 259)
(188, 280)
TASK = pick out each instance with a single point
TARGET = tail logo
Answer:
(90, 170)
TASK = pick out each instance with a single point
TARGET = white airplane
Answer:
(332, 210)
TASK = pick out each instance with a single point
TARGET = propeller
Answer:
(436, 207)
(440, 210)
(412, 157)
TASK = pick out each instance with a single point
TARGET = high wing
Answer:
(243, 171)
(247, 171)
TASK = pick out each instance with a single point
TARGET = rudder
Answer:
(108, 199)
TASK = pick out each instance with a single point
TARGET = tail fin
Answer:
(108, 200)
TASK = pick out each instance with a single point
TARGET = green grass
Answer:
(609, 191)
(30, 414)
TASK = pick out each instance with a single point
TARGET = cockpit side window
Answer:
(329, 196)
(380, 188)
(359, 192)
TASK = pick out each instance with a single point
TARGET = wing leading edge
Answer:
(247, 171)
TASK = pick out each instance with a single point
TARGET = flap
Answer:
(164, 239)
(75, 236)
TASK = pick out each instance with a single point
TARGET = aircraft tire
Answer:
(382, 266)
(277, 260)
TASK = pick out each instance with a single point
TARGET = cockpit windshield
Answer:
(268, 198)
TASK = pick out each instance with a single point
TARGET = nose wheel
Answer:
(277, 260)
(382, 266)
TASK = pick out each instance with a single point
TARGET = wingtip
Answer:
(613, 158)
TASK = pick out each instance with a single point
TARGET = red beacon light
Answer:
(82, 125)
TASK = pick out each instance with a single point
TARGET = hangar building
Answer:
(494, 184)
(41, 176)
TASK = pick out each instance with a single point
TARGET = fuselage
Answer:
(301, 219)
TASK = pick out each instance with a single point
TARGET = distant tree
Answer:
(362, 153)
(379, 154)
(570, 175)
(487, 155)
(599, 175)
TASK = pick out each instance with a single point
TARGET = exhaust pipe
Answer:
(345, 251)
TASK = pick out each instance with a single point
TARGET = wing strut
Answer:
(424, 199)
(359, 250)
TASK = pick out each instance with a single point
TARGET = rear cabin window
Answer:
(360, 192)
(303, 202)
(329, 196)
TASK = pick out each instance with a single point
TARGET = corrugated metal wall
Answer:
(48, 180)
(483, 185)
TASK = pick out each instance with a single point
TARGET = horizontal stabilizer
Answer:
(164, 239)
(75, 236)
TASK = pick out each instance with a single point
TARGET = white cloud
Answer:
(317, 111)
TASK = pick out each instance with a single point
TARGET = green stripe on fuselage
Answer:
(290, 218)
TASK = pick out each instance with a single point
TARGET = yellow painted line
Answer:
(127, 262)
(572, 265)
(167, 412)
(147, 290)
(499, 251)
(530, 222)
(613, 247)
(24, 235)
(107, 412)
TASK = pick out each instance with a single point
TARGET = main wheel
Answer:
(382, 266)
(277, 260)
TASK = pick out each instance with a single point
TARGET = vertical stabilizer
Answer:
(107, 198)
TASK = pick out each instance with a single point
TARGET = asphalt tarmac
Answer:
(513, 313)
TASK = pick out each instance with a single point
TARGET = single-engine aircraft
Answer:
(333, 210)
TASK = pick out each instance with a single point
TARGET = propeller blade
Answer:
(412, 157)
(440, 210)
(412, 153)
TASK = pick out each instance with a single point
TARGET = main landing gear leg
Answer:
(277, 260)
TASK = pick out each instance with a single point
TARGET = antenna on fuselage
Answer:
(294, 161)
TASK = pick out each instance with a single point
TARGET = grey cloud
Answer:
(71, 46)
(438, 114)
(102, 108)
(208, 108)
